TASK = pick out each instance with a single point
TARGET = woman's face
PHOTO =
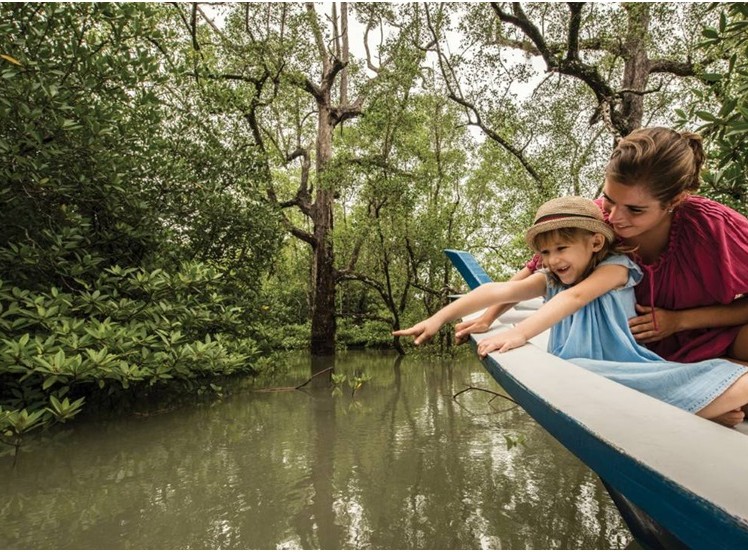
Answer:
(633, 211)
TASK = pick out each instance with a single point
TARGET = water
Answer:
(398, 465)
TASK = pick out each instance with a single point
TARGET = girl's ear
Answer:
(598, 242)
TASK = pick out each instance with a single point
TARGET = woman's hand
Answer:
(643, 328)
(422, 332)
(505, 341)
(464, 329)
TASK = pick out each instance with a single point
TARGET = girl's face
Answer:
(633, 211)
(567, 258)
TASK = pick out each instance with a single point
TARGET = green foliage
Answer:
(368, 334)
(722, 110)
(134, 229)
(357, 381)
(273, 336)
(141, 246)
(131, 328)
(74, 109)
(408, 159)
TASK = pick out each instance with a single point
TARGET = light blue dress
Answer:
(598, 338)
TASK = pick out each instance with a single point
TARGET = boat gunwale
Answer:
(698, 521)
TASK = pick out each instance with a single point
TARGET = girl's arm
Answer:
(480, 298)
(602, 280)
(484, 321)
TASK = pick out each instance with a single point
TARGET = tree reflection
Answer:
(399, 465)
(315, 520)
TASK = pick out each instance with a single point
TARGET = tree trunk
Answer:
(323, 263)
(636, 66)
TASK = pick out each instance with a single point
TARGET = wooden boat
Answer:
(678, 480)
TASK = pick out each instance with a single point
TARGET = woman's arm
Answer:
(602, 280)
(484, 321)
(479, 298)
(673, 321)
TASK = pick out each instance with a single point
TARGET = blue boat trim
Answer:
(468, 267)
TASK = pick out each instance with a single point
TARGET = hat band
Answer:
(563, 216)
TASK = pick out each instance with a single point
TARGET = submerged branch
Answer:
(471, 388)
(293, 388)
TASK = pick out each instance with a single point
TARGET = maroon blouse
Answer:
(705, 263)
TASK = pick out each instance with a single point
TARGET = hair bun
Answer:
(696, 143)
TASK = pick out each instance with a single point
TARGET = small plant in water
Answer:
(514, 441)
(356, 382)
(338, 379)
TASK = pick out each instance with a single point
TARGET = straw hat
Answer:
(568, 212)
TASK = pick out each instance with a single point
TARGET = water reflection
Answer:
(397, 465)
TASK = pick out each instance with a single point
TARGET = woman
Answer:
(693, 251)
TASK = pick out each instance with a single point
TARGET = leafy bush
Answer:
(367, 334)
(129, 249)
(130, 328)
(271, 336)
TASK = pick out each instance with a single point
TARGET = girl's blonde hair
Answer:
(572, 234)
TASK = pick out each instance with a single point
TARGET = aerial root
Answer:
(294, 388)
(494, 393)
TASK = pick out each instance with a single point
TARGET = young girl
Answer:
(589, 290)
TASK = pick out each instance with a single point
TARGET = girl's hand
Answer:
(505, 341)
(643, 328)
(464, 329)
(423, 331)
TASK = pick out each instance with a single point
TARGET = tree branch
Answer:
(623, 91)
(342, 113)
(557, 49)
(319, 41)
(369, 63)
(379, 162)
(213, 26)
(314, 90)
(679, 68)
(571, 66)
(575, 21)
(459, 98)
(328, 76)
(520, 20)
(496, 137)
(193, 27)
(303, 197)
(345, 57)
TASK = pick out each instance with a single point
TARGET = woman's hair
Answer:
(665, 161)
(571, 234)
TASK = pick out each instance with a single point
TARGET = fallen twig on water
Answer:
(295, 388)
(471, 388)
(495, 395)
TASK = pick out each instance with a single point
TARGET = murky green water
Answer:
(399, 465)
